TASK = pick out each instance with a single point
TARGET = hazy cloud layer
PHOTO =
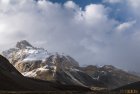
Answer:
(89, 35)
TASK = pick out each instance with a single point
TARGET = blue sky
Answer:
(81, 3)
(121, 15)
(91, 31)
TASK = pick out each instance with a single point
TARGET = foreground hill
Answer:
(132, 88)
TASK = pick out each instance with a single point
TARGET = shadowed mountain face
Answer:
(12, 80)
(111, 76)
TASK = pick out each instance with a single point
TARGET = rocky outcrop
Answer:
(23, 44)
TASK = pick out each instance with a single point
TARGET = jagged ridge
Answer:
(39, 63)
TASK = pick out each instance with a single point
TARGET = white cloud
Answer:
(113, 1)
(134, 3)
(125, 26)
(129, 6)
(133, 7)
(95, 12)
(70, 5)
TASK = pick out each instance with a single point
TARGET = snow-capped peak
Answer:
(25, 52)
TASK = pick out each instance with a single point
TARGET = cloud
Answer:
(88, 34)
(71, 5)
(134, 6)
(125, 26)
(113, 1)
(134, 3)
(95, 12)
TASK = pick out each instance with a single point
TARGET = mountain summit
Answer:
(23, 44)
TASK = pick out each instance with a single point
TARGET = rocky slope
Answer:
(111, 76)
(40, 64)
(12, 80)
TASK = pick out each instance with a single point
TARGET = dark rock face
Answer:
(23, 44)
(77, 78)
(27, 66)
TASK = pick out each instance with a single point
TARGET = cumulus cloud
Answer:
(125, 26)
(71, 5)
(89, 35)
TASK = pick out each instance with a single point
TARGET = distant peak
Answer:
(23, 44)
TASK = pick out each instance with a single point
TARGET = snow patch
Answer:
(30, 74)
(36, 54)
(33, 72)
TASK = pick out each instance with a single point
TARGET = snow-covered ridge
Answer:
(36, 54)
(25, 52)
(28, 54)
(32, 61)
(41, 64)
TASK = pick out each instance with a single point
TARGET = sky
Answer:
(97, 32)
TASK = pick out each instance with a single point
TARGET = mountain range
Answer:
(39, 64)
